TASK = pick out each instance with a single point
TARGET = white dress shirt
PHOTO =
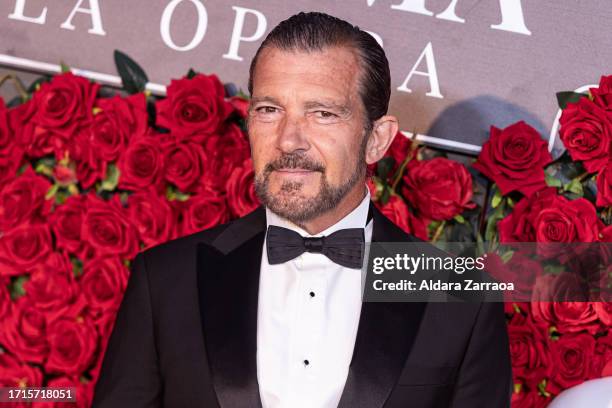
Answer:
(307, 319)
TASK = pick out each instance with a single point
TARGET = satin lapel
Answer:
(228, 285)
(385, 336)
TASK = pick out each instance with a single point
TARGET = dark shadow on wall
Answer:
(470, 120)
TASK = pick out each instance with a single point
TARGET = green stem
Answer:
(398, 174)
(438, 232)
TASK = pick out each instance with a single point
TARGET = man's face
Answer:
(306, 129)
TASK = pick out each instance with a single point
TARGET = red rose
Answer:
(11, 148)
(224, 152)
(23, 200)
(64, 175)
(9, 128)
(103, 282)
(141, 164)
(529, 350)
(23, 247)
(397, 211)
(241, 105)
(107, 230)
(438, 188)
(117, 121)
(586, 132)
(152, 216)
(24, 333)
(571, 356)
(72, 342)
(66, 222)
(549, 217)
(84, 392)
(401, 148)
(89, 167)
(6, 304)
(568, 221)
(13, 373)
(604, 312)
(604, 186)
(567, 317)
(184, 163)
(602, 96)
(55, 112)
(514, 158)
(10, 162)
(193, 106)
(602, 362)
(241, 197)
(202, 211)
(51, 285)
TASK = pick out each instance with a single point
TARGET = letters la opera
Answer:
(427, 285)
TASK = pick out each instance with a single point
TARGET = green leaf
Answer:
(574, 186)
(170, 194)
(384, 167)
(459, 218)
(552, 181)
(51, 191)
(191, 73)
(22, 168)
(181, 196)
(554, 269)
(16, 288)
(112, 178)
(64, 67)
(507, 256)
(77, 267)
(497, 199)
(385, 196)
(564, 98)
(132, 75)
(542, 389)
(491, 229)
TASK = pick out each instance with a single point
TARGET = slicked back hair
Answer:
(314, 31)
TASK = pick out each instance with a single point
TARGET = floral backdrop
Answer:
(90, 176)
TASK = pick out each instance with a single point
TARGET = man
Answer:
(232, 317)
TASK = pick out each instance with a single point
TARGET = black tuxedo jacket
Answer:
(185, 334)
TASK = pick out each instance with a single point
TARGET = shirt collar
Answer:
(355, 219)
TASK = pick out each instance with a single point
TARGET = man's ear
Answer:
(383, 132)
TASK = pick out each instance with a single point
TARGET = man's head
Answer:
(320, 91)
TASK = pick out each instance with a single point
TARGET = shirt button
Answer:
(306, 363)
(312, 294)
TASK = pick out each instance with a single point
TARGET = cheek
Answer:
(339, 156)
(260, 140)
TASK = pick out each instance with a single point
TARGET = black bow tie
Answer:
(344, 247)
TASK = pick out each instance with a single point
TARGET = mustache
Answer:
(293, 161)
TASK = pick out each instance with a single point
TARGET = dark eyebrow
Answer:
(342, 108)
(270, 99)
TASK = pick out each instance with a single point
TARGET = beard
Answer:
(290, 203)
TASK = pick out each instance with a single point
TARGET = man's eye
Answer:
(266, 109)
(325, 114)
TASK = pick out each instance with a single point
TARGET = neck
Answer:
(348, 203)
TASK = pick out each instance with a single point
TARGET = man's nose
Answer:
(291, 136)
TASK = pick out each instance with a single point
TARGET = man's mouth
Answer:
(295, 171)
